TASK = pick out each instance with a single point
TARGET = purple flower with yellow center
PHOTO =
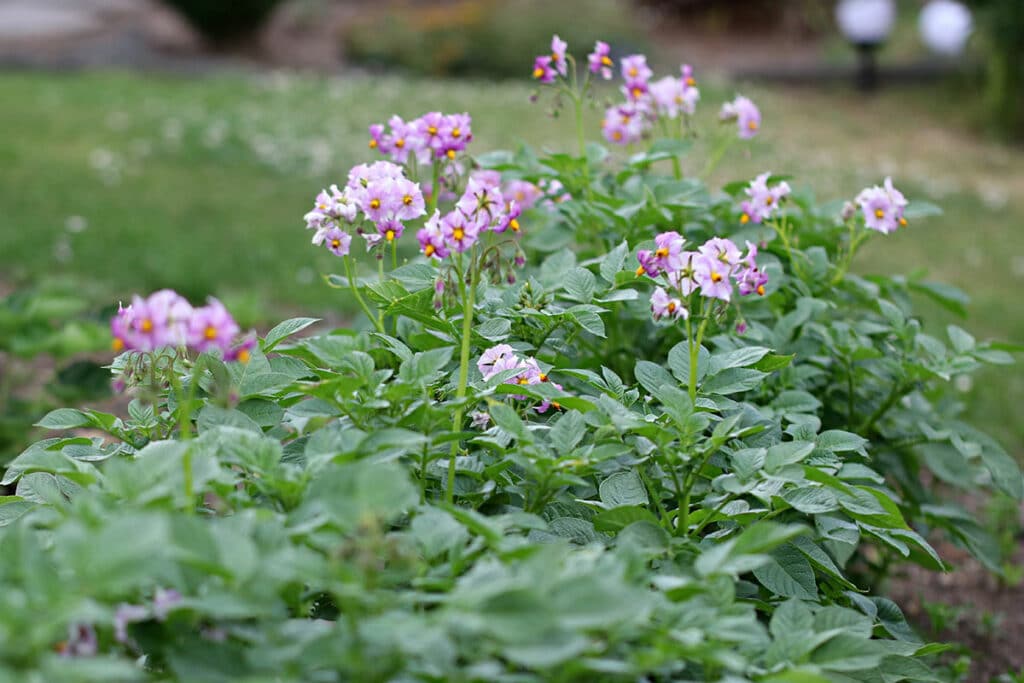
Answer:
(883, 207)
(522, 192)
(159, 320)
(648, 263)
(497, 359)
(390, 229)
(763, 200)
(211, 327)
(241, 351)
(623, 124)
(542, 70)
(377, 139)
(746, 115)
(405, 139)
(431, 238)
(713, 275)
(600, 60)
(486, 177)
(480, 200)
(429, 128)
(558, 47)
(685, 280)
(121, 328)
(344, 207)
(455, 133)
(668, 249)
(664, 305)
(722, 250)
(750, 278)
(337, 241)
(686, 71)
(460, 231)
(508, 219)
(380, 199)
(635, 70)
(410, 204)
(669, 97)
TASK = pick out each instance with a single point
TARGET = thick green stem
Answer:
(694, 347)
(468, 295)
(359, 298)
(894, 395)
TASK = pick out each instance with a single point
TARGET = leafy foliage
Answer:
(686, 512)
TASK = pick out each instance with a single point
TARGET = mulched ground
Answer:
(970, 607)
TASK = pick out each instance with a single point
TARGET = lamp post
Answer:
(866, 24)
(945, 26)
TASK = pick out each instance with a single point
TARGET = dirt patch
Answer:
(970, 607)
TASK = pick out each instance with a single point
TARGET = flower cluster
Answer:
(648, 101)
(882, 207)
(762, 201)
(746, 115)
(483, 207)
(378, 194)
(432, 136)
(522, 371)
(711, 271)
(165, 318)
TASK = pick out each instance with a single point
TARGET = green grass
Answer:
(201, 184)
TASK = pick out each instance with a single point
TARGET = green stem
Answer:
(688, 482)
(435, 191)
(711, 516)
(394, 254)
(716, 156)
(468, 295)
(694, 347)
(359, 298)
(894, 395)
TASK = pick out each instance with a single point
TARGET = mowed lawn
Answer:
(134, 182)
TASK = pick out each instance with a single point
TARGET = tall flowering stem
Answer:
(467, 293)
(350, 276)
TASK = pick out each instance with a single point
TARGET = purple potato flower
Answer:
(746, 115)
(883, 207)
(600, 60)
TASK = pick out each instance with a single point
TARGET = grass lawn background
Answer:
(126, 183)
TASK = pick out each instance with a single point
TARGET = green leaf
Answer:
(507, 418)
(567, 432)
(618, 518)
(495, 329)
(623, 488)
(579, 285)
(787, 453)
(589, 321)
(961, 340)
(732, 381)
(811, 500)
(839, 441)
(848, 653)
(738, 358)
(64, 418)
(679, 362)
(652, 377)
(284, 330)
(791, 618)
(788, 574)
(612, 263)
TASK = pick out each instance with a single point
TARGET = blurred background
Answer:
(177, 143)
